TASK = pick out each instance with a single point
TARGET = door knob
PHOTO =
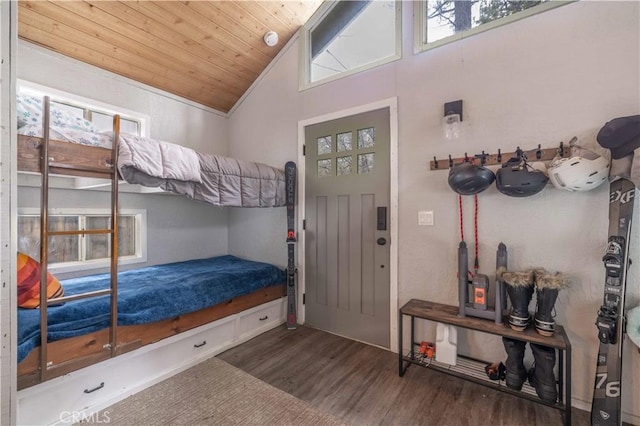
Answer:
(381, 241)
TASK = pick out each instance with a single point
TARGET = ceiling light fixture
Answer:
(271, 38)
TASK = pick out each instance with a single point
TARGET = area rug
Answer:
(213, 393)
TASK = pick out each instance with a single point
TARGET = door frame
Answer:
(392, 104)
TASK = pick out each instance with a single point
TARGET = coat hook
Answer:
(466, 157)
(450, 161)
(435, 162)
(538, 153)
(561, 149)
(499, 158)
(482, 157)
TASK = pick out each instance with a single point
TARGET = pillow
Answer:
(29, 283)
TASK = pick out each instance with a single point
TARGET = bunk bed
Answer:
(103, 316)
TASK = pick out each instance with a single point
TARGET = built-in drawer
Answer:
(66, 399)
(264, 316)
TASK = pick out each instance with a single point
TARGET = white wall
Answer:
(540, 80)
(178, 228)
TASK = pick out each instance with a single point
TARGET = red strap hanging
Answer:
(476, 262)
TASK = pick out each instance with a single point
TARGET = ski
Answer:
(290, 188)
(606, 406)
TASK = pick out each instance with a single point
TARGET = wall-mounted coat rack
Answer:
(537, 154)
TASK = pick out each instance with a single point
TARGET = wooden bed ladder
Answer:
(47, 369)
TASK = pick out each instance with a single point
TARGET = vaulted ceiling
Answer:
(209, 52)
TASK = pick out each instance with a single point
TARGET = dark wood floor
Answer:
(360, 384)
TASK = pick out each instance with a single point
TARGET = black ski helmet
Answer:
(516, 178)
(468, 179)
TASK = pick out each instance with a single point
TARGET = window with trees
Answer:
(77, 252)
(440, 22)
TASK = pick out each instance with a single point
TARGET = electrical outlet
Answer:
(425, 218)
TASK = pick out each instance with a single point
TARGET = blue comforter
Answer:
(147, 295)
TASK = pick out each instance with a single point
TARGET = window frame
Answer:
(88, 105)
(304, 68)
(85, 265)
(420, 24)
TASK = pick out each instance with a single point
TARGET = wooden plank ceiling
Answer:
(207, 51)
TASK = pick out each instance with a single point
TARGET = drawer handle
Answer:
(204, 342)
(263, 318)
(100, 386)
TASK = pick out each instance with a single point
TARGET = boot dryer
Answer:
(547, 287)
(541, 376)
(520, 290)
(516, 371)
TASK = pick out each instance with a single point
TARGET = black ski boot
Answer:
(516, 372)
(520, 289)
(541, 376)
(547, 287)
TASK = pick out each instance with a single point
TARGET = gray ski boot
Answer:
(547, 287)
(520, 289)
(541, 376)
(516, 372)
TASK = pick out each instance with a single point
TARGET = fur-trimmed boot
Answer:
(516, 371)
(541, 376)
(547, 287)
(520, 289)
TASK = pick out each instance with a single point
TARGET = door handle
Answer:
(381, 241)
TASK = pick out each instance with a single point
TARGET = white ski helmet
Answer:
(583, 171)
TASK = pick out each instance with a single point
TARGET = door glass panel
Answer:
(344, 165)
(324, 167)
(344, 141)
(324, 145)
(366, 138)
(366, 162)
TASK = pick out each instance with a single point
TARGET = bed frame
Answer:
(54, 359)
(73, 353)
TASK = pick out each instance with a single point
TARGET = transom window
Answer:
(440, 22)
(77, 252)
(346, 37)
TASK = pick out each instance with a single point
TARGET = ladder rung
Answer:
(78, 296)
(81, 232)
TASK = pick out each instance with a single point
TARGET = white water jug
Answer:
(446, 344)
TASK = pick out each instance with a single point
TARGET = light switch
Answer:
(425, 218)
